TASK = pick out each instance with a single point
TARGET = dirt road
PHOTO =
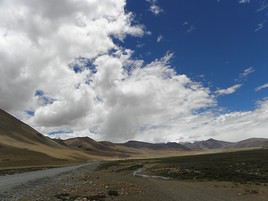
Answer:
(11, 181)
(10, 185)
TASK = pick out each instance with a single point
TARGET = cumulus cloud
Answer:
(264, 86)
(229, 90)
(150, 97)
(39, 38)
(62, 73)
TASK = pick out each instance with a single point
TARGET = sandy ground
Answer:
(106, 185)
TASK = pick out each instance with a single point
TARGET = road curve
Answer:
(9, 182)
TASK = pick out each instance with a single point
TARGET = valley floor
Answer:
(106, 184)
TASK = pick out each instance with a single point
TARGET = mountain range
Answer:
(23, 146)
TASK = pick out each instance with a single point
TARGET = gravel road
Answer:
(10, 184)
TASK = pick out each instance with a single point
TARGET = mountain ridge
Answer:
(21, 145)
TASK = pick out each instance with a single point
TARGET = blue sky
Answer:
(212, 41)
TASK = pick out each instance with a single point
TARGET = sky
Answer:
(150, 70)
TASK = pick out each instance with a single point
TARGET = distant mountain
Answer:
(208, 144)
(157, 146)
(135, 147)
(217, 144)
(252, 142)
(120, 150)
(92, 147)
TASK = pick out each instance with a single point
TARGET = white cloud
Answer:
(120, 105)
(263, 6)
(154, 8)
(244, 1)
(231, 126)
(260, 26)
(189, 27)
(42, 37)
(59, 60)
(264, 86)
(159, 38)
(244, 74)
(229, 90)
(247, 72)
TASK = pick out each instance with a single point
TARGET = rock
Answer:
(98, 197)
(113, 193)
(63, 196)
(82, 199)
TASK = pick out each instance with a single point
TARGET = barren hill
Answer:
(101, 149)
(21, 145)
